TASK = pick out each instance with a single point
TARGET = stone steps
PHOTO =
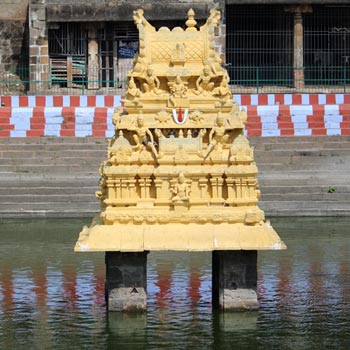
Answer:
(303, 153)
(49, 209)
(311, 167)
(275, 173)
(311, 197)
(42, 197)
(86, 160)
(44, 180)
(305, 208)
(53, 140)
(48, 177)
(45, 190)
(45, 164)
(310, 189)
(300, 144)
(74, 147)
(65, 152)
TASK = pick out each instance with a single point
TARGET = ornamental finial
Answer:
(191, 22)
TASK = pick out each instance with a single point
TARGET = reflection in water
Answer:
(52, 298)
(126, 329)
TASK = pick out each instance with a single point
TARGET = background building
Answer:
(75, 46)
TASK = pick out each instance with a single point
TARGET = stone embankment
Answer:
(304, 176)
(58, 177)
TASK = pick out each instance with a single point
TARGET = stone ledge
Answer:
(123, 12)
(188, 237)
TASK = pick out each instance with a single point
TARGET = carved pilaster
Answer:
(145, 183)
(216, 182)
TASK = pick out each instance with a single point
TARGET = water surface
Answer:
(53, 298)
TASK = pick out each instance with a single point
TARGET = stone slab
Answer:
(185, 237)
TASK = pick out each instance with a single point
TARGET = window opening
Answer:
(67, 54)
(259, 45)
(327, 45)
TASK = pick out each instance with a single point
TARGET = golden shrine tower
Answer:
(180, 173)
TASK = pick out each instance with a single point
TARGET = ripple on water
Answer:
(51, 298)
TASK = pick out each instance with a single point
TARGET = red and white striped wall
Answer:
(298, 120)
(60, 101)
(81, 116)
(291, 99)
(56, 121)
(61, 116)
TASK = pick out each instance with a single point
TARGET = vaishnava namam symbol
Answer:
(180, 117)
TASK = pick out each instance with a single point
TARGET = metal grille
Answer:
(68, 55)
(259, 42)
(125, 36)
(327, 45)
(125, 30)
(106, 54)
(68, 39)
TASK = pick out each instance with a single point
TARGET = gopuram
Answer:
(180, 173)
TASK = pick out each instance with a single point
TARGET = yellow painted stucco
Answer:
(180, 173)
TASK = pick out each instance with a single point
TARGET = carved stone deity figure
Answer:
(152, 83)
(203, 83)
(181, 191)
(133, 91)
(116, 118)
(139, 64)
(217, 136)
(178, 55)
(178, 89)
(143, 137)
(223, 91)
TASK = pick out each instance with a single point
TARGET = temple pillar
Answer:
(298, 34)
(235, 280)
(126, 282)
(93, 63)
(298, 58)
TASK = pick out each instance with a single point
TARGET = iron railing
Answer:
(286, 79)
(243, 79)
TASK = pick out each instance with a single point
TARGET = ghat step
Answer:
(59, 176)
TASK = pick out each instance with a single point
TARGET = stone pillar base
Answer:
(235, 280)
(298, 78)
(126, 281)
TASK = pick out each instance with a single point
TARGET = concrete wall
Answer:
(82, 116)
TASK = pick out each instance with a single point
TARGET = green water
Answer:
(53, 298)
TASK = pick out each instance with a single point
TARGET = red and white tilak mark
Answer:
(180, 117)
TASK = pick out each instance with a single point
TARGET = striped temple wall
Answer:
(82, 116)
